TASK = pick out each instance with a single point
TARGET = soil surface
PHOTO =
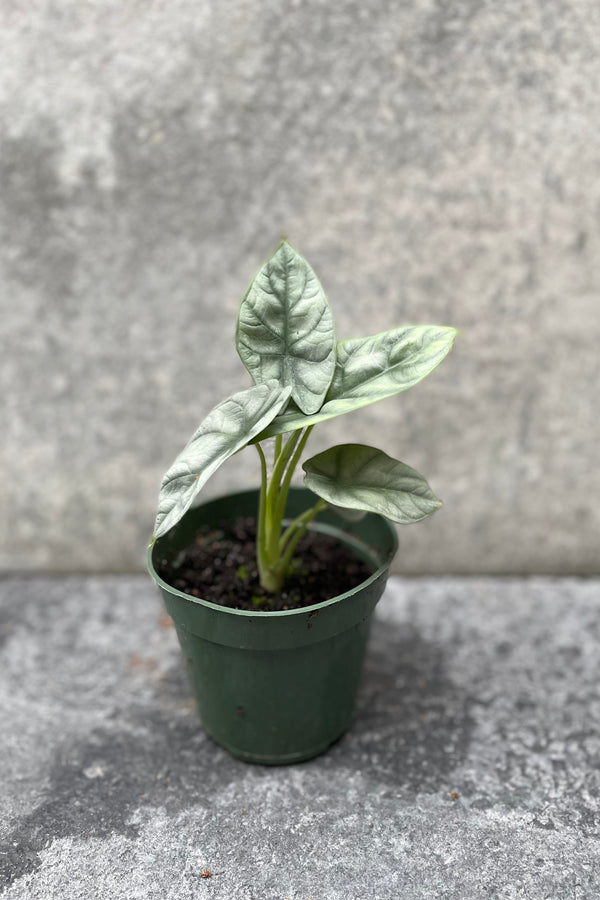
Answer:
(220, 566)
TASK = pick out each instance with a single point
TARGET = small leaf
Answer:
(226, 429)
(285, 329)
(373, 368)
(360, 477)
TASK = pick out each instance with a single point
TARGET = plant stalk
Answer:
(274, 545)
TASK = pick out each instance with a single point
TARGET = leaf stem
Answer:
(274, 549)
(285, 486)
(300, 522)
(280, 463)
(299, 525)
(262, 502)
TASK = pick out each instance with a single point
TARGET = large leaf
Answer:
(226, 429)
(360, 477)
(372, 368)
(285, 329)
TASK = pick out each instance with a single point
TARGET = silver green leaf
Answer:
(360, 477)
(373, 368)
(285, 329)
(226, 429)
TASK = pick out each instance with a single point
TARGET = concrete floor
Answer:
(472, 770)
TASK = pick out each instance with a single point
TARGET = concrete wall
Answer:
(435, 161)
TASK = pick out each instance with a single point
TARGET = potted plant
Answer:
(274, 657)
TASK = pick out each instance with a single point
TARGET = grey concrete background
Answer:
(484, 687)
(435, 161)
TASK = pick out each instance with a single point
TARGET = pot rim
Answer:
(321, 527)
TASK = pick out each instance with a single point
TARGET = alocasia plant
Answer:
(286, 339)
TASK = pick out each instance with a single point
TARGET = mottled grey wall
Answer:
(435, 161)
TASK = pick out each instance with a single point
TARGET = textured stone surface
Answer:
(487, 688)
(436, 161)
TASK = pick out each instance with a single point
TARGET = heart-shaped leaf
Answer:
(225, 430)
(372, 368)
(360, 477)
(285, 329)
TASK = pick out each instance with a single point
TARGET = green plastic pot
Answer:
(276, 687)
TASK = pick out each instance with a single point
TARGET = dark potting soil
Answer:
(220, 566)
